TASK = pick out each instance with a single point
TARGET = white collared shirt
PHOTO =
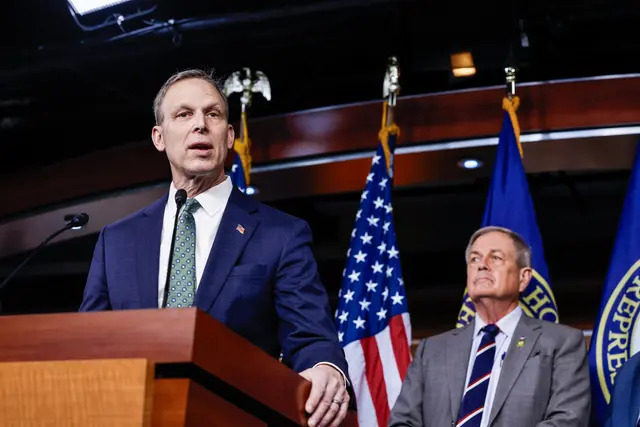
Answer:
(507, 327)
(213, 203)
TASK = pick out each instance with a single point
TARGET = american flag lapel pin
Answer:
(240, 229)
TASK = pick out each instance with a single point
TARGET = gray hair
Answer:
(184, 75)
(523, 250)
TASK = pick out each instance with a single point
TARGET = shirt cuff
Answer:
(344, 377)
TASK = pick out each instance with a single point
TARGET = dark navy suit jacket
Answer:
(262, 283)
(625, 398)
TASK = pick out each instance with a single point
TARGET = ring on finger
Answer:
(336, 401)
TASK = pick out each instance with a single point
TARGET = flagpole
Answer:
(243, 112)
(510, 73)
(510, 104)
(390, 90)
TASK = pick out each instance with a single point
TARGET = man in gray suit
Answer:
(504, 369)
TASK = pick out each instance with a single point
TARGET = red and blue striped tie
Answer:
(475, 394)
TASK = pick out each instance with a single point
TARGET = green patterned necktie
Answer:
(182, 282)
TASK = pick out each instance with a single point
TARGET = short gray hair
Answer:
(523, 250)
(194, 73)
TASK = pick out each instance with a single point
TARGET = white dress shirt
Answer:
(212, 205)
(507, 327)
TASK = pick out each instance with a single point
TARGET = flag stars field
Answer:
(359, 323)
(354, 276)
(366, 238)
(377, 267)
(382, 247)
(371, 286)
(360, 256)
(343, 317)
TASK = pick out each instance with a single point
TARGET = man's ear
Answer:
(231, 136)
(525, 278)
(158, 138)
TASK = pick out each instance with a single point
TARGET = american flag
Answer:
(372, 317)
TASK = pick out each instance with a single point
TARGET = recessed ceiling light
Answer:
(470, 163)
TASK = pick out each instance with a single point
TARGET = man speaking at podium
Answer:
(246, 264)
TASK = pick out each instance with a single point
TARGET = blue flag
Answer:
(237, 173)
(616, 335)
(241, 168)
(509, 205)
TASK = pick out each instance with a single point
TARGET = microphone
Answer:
(77, 221)
(181, 198)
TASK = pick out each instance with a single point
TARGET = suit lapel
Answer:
(148, 232)
(236, 228)
(458, 350)
(529, 331)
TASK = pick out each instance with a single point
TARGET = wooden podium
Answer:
(172, 367)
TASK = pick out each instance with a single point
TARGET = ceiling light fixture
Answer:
(462, 64)
(83, 7)
(128, 15)
(470, 163)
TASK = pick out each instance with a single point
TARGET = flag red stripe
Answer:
(375, 379)
(400, 344)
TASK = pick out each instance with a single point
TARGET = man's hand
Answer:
(328, 400)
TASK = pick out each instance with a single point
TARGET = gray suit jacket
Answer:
(545, 382)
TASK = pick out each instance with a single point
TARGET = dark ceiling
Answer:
(64, 91)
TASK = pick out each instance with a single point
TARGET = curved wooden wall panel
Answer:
(437, 167)
(545, 107)
(445, 116)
